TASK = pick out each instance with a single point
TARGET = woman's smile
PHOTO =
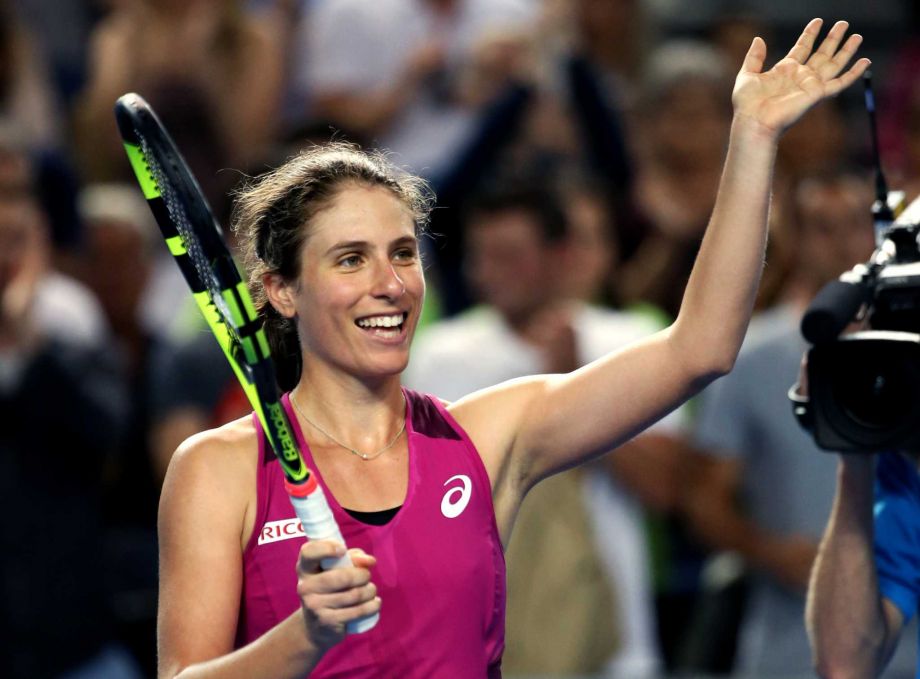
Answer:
(387, 326)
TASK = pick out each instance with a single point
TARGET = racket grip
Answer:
(319, 524)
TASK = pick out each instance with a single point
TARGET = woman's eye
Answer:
(350, 261)
(405, 255)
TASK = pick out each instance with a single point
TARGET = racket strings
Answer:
(179, 216)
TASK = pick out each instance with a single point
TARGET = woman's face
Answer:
(361, 286)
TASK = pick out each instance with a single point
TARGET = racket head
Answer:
(174, 196)
(196, 241)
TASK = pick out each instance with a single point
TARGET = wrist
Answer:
(748, 129)
(307, 651)
(856, 472)
(856, 487)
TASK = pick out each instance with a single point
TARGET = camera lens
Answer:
(877, 391)
(865, 391)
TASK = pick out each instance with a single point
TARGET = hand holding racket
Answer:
(195, 240)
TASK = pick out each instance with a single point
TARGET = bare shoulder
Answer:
(225, 450)
(492, 418)
(214, 468)
(493, 409)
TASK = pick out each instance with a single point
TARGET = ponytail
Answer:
(284, 343)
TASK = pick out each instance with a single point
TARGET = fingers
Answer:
(803, 46)
(844, 81)
(323, 614)
(361, 559)
(341, 595)
(338, 583)
(349, 598)
(802, 382)
(828, 61)
(831, 58)
(334, 580)
(830, 43)
(342, 616)
(846, 52)
(314, 552)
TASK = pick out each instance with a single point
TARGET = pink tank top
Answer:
(440, 566)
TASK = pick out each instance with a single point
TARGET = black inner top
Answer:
(380, 518)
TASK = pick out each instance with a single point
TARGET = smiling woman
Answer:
(360, 270)
(271, 218)
(430, 489)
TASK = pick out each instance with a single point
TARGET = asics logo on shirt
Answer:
(457, 498)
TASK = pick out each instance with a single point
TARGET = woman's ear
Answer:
(280, 294)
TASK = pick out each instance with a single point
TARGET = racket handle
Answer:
(319, 524)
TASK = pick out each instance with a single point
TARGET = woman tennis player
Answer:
(430, 490)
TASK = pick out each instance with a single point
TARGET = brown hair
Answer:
(272, 217)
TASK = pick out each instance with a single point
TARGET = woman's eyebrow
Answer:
(405, 240)
(347, 245)
(363, 244)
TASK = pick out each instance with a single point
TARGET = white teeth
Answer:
(381, 321)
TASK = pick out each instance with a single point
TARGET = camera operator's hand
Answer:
(801, 385)
(775, 99)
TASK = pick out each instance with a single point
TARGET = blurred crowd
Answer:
(575, 149)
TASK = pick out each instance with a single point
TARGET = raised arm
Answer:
(852, 628)
(552, 422)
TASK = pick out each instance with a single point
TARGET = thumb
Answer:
(755, 57)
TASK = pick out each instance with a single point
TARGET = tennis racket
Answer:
(195, 240)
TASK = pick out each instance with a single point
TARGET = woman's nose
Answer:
(388, 283)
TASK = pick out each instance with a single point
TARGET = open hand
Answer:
(775, 99)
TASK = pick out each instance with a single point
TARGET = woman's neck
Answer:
(359, 412)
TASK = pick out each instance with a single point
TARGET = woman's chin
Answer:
(383, 368)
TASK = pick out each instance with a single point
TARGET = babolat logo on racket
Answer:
(292, 459)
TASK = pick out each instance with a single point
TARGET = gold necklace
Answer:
(363, 456)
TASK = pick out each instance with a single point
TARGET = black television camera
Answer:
(864, 387)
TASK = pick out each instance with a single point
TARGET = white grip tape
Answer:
(319, 524)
